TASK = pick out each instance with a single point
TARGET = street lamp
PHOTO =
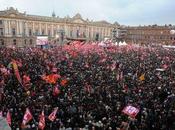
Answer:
(114, 37)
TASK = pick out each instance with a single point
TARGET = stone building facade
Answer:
(20, 29)
(150, 34)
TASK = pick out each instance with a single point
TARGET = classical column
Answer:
(92, 33)
(6, 27)
(40, 29)
(46, 29)
(33, 28)
(27, 29)
(17, 29)
(52, 31)
(9, 29)
(20, 27)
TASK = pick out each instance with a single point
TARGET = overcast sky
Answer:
(125, 12)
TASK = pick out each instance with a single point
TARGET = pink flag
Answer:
(1, 114)
(118, 76)
(165, 66)
(121, 75)
(27, 117)
(8, 118)
(131, 111)
(42, 124)
(52, 116)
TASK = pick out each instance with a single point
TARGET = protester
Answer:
(90, 85)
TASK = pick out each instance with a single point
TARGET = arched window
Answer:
(14, 41)
(30, 32)
(1, 42)
(31, 41)
(13, 31)
(25, 41)
(43, 32)
(49, 33)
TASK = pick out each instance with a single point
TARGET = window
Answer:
(55, 31)
(24, 32)
(171, 38)
(84, 35)
(0, 22)
(30, 32)
(31, 41)
(97, 36)
(36, 32)
(25, 41)
(78, 34)
(14, 42)
(1, 31)
(13, 31)
(71, 33)
(43, 32)
(49, 33)
(1, 42)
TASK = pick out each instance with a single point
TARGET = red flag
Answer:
(27, 117)
(56, 91)
(26, 81)
(8, 118)
(42, 124)
(52, 116)
(63, 82)
(16, 71)
(88, 88)
(52, 78)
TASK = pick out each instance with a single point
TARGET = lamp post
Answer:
(61, 33)
(114, 37)
(24, 31)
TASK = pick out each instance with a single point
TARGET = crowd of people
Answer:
(100, 82)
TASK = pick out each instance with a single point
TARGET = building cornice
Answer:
(12, 13)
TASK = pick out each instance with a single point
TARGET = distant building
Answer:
(20, 29)
(150, 34)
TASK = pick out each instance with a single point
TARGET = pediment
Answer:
(78, 21)
(12, 15)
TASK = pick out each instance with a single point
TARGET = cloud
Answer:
(128, 12)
